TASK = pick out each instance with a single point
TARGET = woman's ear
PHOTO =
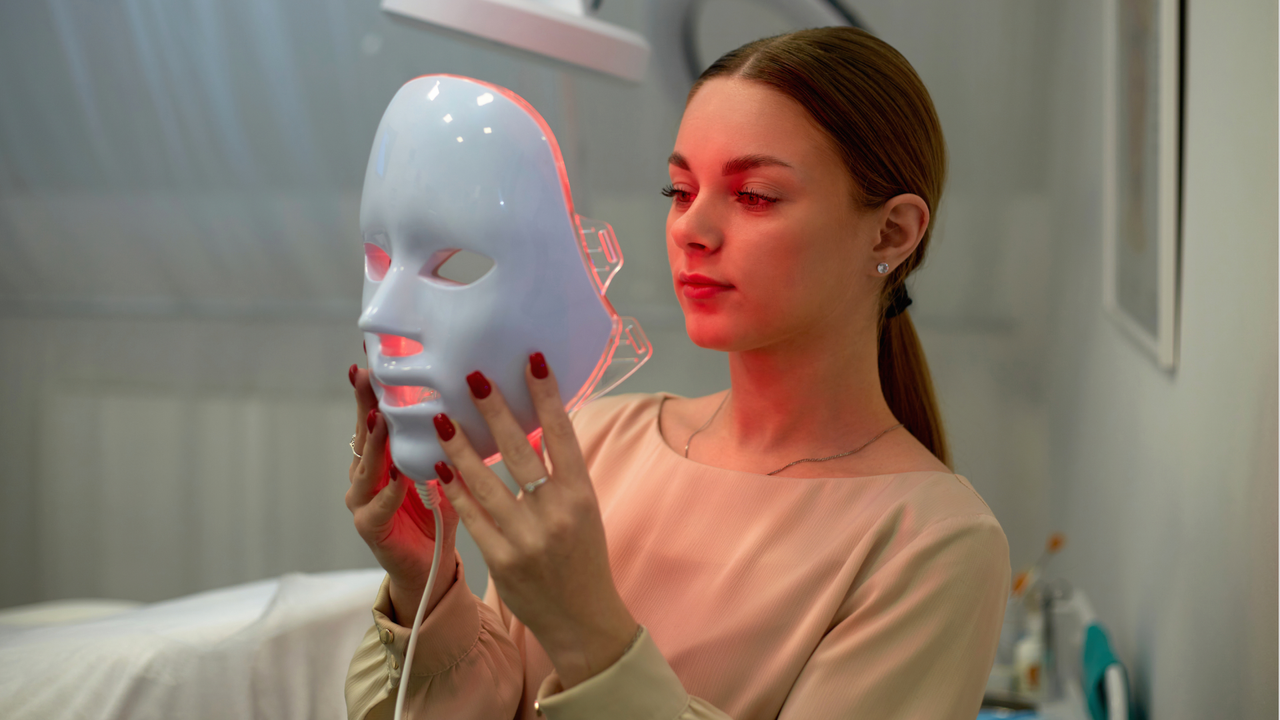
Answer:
(903, 221)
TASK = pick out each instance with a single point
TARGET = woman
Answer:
(795, 547)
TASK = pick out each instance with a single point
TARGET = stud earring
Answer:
(883, 268)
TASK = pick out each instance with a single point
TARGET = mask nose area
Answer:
(389, 306)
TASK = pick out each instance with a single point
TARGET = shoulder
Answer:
(933, 518)
(962, 559)
(613, 409)
(934, 496)
(615, 419)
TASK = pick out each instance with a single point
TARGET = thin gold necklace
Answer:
(796, 462)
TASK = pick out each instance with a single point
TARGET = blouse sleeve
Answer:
(916, 643)
(465, 666)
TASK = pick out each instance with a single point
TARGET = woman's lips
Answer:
(700, 287)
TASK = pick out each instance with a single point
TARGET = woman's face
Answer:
(765, 242)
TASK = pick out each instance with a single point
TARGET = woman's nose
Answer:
(697, 231)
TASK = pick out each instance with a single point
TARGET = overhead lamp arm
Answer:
(560, 29)
(809, 13)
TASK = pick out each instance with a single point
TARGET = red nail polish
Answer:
(479, 385)
(395, 473)
(444, 473)
(444, 427)
(364, 347)
(351, 374)
(538, 366)
(371, 419)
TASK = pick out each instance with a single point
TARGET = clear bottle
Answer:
(1028, 656)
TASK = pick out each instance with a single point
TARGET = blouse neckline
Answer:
(655, 433)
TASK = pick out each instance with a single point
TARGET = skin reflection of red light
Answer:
(397, 346)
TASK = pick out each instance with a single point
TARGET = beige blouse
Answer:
(760, 597)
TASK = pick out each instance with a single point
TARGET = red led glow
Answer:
(398, 346)
(376, 262)
(407, 395)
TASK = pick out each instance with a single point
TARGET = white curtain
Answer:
(157, 457)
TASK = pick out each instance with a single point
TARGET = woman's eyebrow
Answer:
(736, 165)
(750, 162)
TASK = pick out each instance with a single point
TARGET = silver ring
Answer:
(353, 447)
(530, 487)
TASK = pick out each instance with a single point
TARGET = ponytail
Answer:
(908, 386)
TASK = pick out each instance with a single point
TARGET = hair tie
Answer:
(899, 301)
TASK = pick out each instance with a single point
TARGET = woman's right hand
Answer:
(399, 531)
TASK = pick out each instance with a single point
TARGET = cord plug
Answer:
(429, 493)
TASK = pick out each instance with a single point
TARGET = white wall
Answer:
(1165, 483)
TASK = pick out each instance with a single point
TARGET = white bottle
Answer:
(1028, 656)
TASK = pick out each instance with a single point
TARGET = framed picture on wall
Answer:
(1142, 185)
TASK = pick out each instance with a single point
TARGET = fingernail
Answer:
(364, 347)
(538, 366)
(372, 419)
(479, 385)
(444, 473)
(444, 427)
(351, 374)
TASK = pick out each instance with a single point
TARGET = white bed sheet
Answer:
(269, 649)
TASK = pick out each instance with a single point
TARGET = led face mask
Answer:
(461, 165)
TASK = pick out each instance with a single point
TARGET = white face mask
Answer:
(458, 164)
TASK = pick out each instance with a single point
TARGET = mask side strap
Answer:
(630, 350)
(600, 251)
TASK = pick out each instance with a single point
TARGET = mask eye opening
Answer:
(457, 267)
(376, 262)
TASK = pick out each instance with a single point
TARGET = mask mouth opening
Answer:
(398, 346)
(401, 396)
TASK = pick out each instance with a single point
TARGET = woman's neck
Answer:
(803, 399)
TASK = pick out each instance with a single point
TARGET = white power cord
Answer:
(430, 495)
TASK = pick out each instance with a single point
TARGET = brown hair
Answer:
(869, 100)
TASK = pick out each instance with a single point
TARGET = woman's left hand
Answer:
(545, 549)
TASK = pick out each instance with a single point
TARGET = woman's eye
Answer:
(681, 197)
(755, 200)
